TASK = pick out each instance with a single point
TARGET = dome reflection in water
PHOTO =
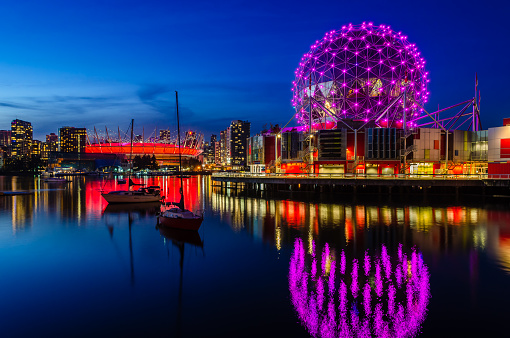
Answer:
(377, 295)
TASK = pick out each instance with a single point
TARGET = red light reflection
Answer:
(169, 189)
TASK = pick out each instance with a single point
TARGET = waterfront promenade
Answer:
(354, 183)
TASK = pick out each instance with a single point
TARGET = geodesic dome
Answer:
(359, 73)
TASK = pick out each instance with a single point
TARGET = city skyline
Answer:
(88, 64)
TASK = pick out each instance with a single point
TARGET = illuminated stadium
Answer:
(361, 73)
(164, 147)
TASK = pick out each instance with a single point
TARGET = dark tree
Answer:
(275, 129)
(32, 164)
(145, 162)
(190, 164)
(153, 163)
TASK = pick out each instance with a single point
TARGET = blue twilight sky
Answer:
(101, 63)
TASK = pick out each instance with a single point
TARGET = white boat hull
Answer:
(55, 180)
(130, 198)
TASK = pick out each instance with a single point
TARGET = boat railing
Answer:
(200, 213)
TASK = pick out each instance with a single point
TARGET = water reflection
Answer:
(495, 236)
(375, 295)
(180, 238)
(88, 252)
(434, 229)
(80, 199)
(118, 215)
(139, 208)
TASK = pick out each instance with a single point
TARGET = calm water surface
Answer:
(72, 266)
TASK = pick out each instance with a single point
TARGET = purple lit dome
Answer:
(360, 72)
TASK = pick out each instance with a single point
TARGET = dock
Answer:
(354, 184)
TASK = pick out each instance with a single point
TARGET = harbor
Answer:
(252, 253)
(445, 185)
(320, 178)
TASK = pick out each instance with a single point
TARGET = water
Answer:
(72, 266)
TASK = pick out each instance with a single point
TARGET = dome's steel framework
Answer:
(368, 75)
(361, 72)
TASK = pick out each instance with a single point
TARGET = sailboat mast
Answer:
(179, 146)
(131, 151)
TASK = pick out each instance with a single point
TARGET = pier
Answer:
(365, 184)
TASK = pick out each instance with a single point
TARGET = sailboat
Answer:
(141, 195)
(176, 216)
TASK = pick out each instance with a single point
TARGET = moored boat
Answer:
(55, 180)
(177, 218)
(142, 195)
(176, 215)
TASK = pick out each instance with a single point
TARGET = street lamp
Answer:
(277, 136)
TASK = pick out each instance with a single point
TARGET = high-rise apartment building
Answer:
(239, 134)
(223, 147)
(45, 150)
(209, 151)
(217, 153)
(36, 148)
(228, 149)
(233, 144)
(21, 138)
(72, 140)
(5, 142)
(5, 138)
(206, 153)
(52, 142)
(211, 155)
(164, 136)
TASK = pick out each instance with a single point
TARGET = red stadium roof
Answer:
(140, 149)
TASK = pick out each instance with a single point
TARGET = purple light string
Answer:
(366, 265)
(378, 280)
(354, 276)
(393, 305)
(342, 262)
(356, 72)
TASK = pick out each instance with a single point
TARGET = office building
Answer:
(21, 138)
(164, 136)
(52, 142)
(72, 140)
(239, 134)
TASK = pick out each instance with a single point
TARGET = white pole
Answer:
(310, 151)
(405, 131)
